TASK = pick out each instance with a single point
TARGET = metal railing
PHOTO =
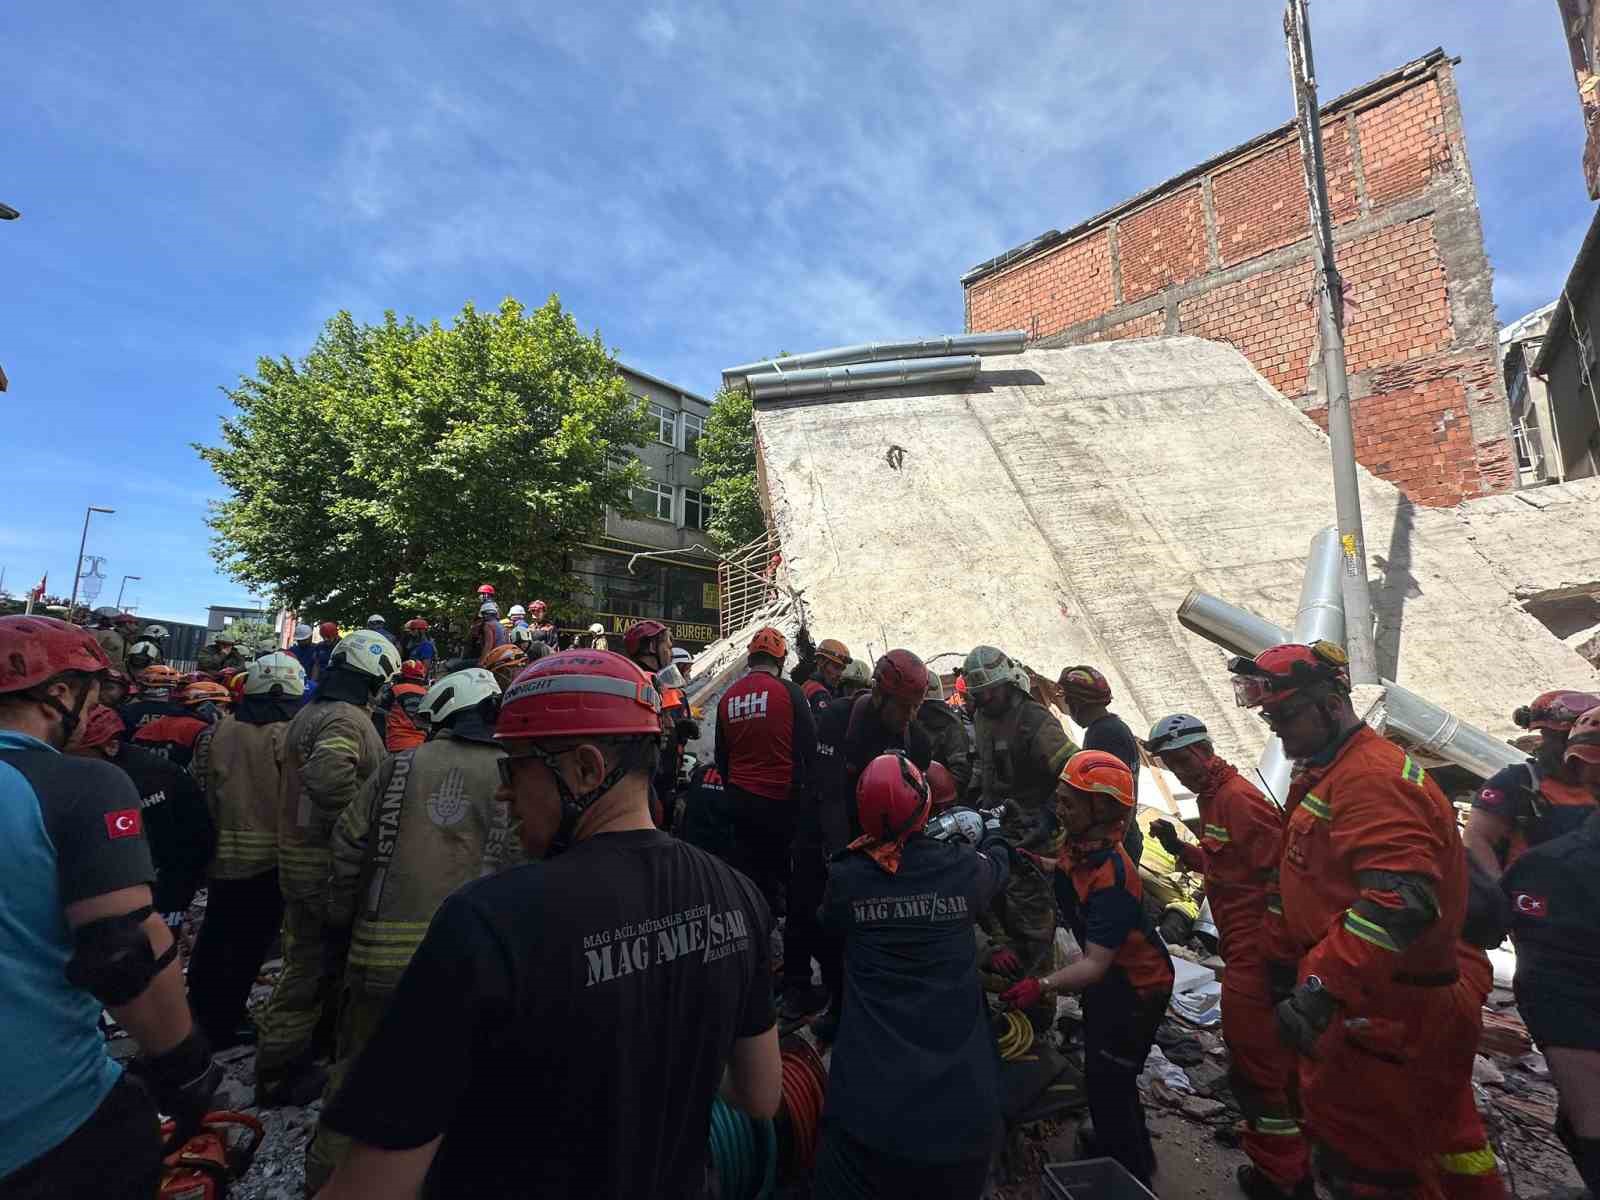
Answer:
(746, 582)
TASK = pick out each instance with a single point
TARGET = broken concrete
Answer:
(1063, 506)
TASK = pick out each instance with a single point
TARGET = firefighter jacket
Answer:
(1536, 806)
(172, 736)
(239, 766)
(424, 823)
(1020, 755)
(1241, 837)
(212, 660)
(402, 731)
(115, 646)
(1373, 879)
(948, 733)
(331, 748)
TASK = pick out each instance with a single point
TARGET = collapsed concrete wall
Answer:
(1062, 505)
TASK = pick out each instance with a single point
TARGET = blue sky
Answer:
(202, 184)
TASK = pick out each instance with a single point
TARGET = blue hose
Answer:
(733, 1153)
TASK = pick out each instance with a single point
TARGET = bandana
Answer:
(885, 854)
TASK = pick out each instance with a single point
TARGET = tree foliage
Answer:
(728, 470)
(398, 466)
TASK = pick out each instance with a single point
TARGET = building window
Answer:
(666, 422)
(693, 427)
(653, 500)
(696, 509)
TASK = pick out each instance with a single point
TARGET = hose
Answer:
(1017, 1038)
(734, 1137)
(804, 1085)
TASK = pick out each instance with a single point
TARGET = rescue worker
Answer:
(114, 688)
(328, 631)
(849, 737)
(154, 701)
(80, 935)
(171, 809)
(948, 733)
(416, 644)
(544, 629)
(520, 633)
(917, 1113)
(1554, 904)
(223, 652)
(330, 748)
(239, 765)
(486, 632)
(707, 821)
(1521, 806)
(112, 642)
(546, 978)
(172, 736)
(424, 823)
(1385, 1011)
(766, 754)
(379, 624)
(684, 661)
(1241, 836)
(597, 637)
(403, 728)
(649, 645)
(146, 650)
(822, 687)
(505, 663)
(1021, 751)
(1125, 973)
(304, 649)
(1087, 694)
(854, 679)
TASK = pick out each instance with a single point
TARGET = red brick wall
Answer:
(1418, 378)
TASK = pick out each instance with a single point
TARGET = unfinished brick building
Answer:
(1223, 251)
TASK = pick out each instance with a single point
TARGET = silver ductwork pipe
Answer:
(858, 377)
(1420, 722)
(1013, 342)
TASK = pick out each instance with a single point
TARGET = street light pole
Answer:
(83, 540)
(1330, 332)
(124, 584)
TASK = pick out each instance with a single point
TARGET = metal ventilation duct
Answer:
(969, 343)
(857, 377)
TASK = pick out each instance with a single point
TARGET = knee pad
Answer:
(112, 959)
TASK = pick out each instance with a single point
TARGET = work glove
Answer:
(182, 1081)
(687, 729)
(1005, 962)
(1281, 979)
(1024, 994)
(1305, 1016)
(1167, 834)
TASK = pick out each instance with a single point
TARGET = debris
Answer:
(1534, 1063)
(1504, 1033)
(1202, 1108)
(1209, 1076)
(1159, 1068)
(1484, 1071)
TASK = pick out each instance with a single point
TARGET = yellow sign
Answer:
(708, 595)
(685, 631)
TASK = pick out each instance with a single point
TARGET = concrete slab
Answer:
(1062, 504)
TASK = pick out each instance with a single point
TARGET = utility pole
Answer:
(124, 584)
(1330, 332)
(82, 541)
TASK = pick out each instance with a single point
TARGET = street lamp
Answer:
(82, 541)
(124, 584)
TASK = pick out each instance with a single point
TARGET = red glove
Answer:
(1005, 962)
(1023, 995)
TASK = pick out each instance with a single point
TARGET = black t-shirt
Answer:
(176, 821)
(566, 1024)
(1111, 734)
(849, 736)
(1554, 890)
(915, 1071)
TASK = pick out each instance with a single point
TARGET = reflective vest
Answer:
(240, 766)
(330, 749)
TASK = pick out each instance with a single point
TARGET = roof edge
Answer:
(1054, 237)
(1583, 265)
(660, 382)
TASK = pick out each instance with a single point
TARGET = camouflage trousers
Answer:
(1026, 915)
(299, 1001)
(360, 1010)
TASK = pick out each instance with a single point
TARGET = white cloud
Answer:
(658, 29)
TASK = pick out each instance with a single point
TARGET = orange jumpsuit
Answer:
(1241, 839)
(1374, 888)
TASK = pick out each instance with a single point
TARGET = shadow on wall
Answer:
(1394, 588)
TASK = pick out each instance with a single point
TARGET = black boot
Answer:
(1255, 1184)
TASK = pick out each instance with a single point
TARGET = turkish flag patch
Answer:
(1529, 905)
(125, 822)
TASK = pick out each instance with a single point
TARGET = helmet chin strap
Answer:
(573, 804)
(69, 717)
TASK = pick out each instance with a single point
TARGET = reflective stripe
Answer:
(1469, 1162)
(1275, 905)
(544, 685)
(246, 839)
(1316, 807)
(1277, 1126)
(1219, 832)
(1369, 931)
(335, 743)
(1412, 773)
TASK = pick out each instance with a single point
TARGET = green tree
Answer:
(398, 466)
(728, 469)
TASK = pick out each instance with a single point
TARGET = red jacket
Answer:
(1241, 840)
(172, 737)
(1372, 809)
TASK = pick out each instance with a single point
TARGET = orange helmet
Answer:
(203, 690)
(505, 663)
(834, 651)
(160, 676)
(1583, 743)
(1279, 673)
(770, 642)
(1100, 772)
(1556, 710)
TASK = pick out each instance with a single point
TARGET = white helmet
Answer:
(681, 656)
(275, 672)
(368, 652)
(597, 628)
(302, 632)
(148, 649)
(456, 692)
(1019, 678)
(155, 631)
(517, 611)
(375, 619)
(488, 609)
(985, 667)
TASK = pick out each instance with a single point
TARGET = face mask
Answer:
(671, 677)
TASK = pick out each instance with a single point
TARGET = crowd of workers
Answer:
(526, 938)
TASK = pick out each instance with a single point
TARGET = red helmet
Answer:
(329, 631)
(203, 690)
(1085, 685)
(639, 633)
(538, 606)
(1100, 772)
(1279, 673)
(486, 589)
(1583, 743)
(580, 693)
(770, 642)
(417, 625)
(942, 785)
(901, 674)
(893, 799)
(99, 728)
(412, 669)
(34, 650)
(1556, 710)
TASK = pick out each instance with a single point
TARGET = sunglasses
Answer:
(508, 764)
